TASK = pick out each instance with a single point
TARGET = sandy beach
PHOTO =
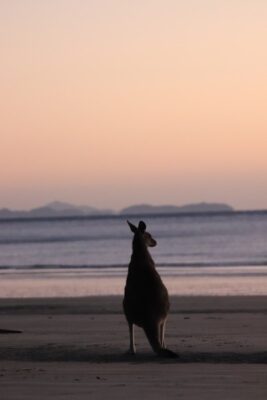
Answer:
(75, 348)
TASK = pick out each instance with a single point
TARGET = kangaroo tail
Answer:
(152, 334)
(168, 353)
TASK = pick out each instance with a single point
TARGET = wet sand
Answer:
(75, 348)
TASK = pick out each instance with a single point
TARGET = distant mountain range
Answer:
(55, 209)
(170, 209)
(59, 209)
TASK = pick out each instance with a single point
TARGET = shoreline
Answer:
(178, 303)
(112, 305)
(76, 285)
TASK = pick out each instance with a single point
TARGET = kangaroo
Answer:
(146, 301)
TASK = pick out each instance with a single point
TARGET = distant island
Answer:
(58, 209)
(144, 209)
(54, 209)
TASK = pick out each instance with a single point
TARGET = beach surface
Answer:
(75, 348)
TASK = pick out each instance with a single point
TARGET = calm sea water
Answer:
(196, 254)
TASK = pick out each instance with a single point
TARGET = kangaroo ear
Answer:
(142, 226)
(132, 227)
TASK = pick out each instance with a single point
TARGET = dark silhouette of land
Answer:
(146, 209)
(57, 209)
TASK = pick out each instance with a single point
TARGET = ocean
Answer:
(197, 254)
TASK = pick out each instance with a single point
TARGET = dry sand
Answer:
(75, 349)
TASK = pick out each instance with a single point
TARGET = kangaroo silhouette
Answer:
(146, 300)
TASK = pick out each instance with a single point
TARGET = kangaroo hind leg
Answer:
(132, 349)
(162, 334)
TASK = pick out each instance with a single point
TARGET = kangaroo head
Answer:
(141, 230)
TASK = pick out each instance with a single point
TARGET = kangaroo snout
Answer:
(152, 243)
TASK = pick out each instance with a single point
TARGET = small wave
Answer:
(62, 267)
(197, 265)
(57, 239)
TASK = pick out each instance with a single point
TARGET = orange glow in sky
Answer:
(110, 102)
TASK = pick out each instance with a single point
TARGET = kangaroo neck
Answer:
(140, 251)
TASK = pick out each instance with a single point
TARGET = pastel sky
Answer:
(115, 102)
